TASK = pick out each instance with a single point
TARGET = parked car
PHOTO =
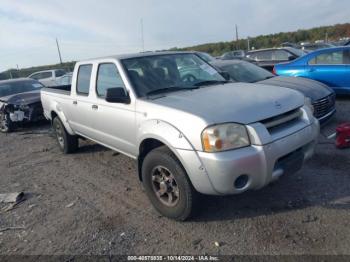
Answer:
(267, 58)
(203, 135)
(288, 44)
(19, 103)
(48, 77)
(205, 56)
(309, 47)
(322, 97)
(66, 79)
(329, 66)
(348, 43)
(237, 54)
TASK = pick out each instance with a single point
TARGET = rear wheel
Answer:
(6, 124)
(66, 142)
(167, 185)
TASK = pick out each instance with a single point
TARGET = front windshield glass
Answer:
(12, 88)
(246, 72)
(169, 72)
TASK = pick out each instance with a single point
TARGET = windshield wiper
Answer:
(211, 82)
(170, 89)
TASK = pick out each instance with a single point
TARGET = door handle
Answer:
(94, 107)
(75, 102)
(312, 69)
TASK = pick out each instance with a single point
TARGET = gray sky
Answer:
(88, 28)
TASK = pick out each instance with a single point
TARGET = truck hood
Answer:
(233, 102)
(310, 88)
(26, 98)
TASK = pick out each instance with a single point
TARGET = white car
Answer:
(49, 77)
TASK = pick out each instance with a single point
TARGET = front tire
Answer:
(66, 142)
(6, 125)
(167, 185)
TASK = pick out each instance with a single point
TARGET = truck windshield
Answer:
(169, 73)
(16, 87)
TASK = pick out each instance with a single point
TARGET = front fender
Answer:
(164, 132)
(177, 142)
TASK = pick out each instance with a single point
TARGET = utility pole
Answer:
(326, 37)
(237, 37)
(248, 43)
(142, 39)
(59, 52)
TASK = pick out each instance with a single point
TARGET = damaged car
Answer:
(19, 103)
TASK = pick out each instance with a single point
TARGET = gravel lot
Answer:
(91, 203)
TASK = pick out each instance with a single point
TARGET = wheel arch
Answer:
(62, 117)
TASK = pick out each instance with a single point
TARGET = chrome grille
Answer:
(283, 119)
(324, 105)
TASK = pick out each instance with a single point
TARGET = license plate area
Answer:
(291, 163)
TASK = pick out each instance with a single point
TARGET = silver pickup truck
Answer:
(189, 129)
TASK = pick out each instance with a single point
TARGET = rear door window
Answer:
(83, 79)
(330, 58)
(107, 77)
(262, 56)
(280, 55)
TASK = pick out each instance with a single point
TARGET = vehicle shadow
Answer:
(89, 147)
(307, 188)
(40, 127)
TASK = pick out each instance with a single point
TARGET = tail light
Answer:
(274, 71)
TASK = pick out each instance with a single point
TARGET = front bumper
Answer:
(261, 164)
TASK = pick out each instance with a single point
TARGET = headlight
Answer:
(224, 137)
(308, 103)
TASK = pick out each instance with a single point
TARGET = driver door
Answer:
(114, 123)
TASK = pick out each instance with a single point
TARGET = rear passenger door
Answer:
(331, 68)
(81, 106)
(114, 123)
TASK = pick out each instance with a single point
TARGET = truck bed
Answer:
(64, 89)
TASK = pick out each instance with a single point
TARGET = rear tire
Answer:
(66, 142)
(167, 184)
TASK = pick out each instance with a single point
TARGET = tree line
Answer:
(333, 33)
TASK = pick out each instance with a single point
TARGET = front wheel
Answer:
(167, 185)
(66, 142)
(6, 124)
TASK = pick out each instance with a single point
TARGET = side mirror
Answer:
(225, 75)
(117, 95)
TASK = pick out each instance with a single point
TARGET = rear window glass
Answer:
(84, 77)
